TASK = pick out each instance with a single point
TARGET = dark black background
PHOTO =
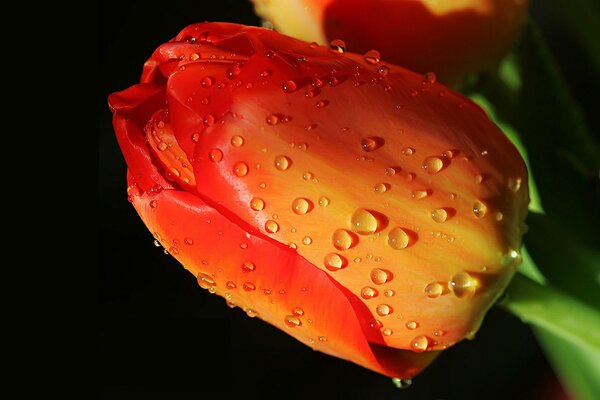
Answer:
(162, 336)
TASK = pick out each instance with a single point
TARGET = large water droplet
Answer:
(271, 226)
(292, 321)
(237, 141)
(337, 46)
(301, 206)
(289, 86)
(439, 215)
(215, 155)
(342, 239)
(368, 292)
(412, 325)
(372, 57)
(240, 169)
(433, 165)
(205, 281)
(434, 289)
(514, 184)
(383, 310)
(371, 143)
(463, 284)
(479, 209)
(282, 163)
(364, 222)
(398, 238)
(257, 204)
(380, 276)
(334, 262)
(381, 187)
(420, 344)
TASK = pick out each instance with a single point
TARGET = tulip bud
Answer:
(366, 210)
(452, 38)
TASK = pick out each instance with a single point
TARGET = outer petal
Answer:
(290, 132)
(451, 38)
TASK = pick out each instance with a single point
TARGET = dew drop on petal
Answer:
(372, 57)
(383, 310)
(292, 321)
(372, 143)
(479, 209)
(380, 276)
(282, 163)
(207, 81)
(271, 226)
(257, 204)
(301, 206)
(432, 165)
(402, 383)
(420, 343)
(334, 262)
(368, 292)
(439, 215)
(248, 266)
(240, 169)
(412, 325)
(463, 284)
(408, 151)
(514, 184)
(215, 155)
(272, 119)
(387, 332)
(307, 240)
(298, 311)
(380, 187)
(389, 293)
(342, 239)
(289, 86)
(419, 194)
(398, 239)
(237, 141)
(249, 286)
(434, 289)
(364, 222)
(337, 46)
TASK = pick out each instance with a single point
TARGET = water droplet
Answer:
(337, 46)
(439, 215)
(364, 222)
(381, 187)
(215, 155)
(271, 226)
(383, 310)
(514, 184)
(420, 344)
(430, 77)
(205, 281)
(292, 245)
(292, 321)
(301, 206)
(162, 146)
(402, 383)
(499, 216)
(207, 81)
(434, 289)
(188, 241)
(463, 284)
(205, 100)
(248, 266)
(289, 86)
(322, 339)
(389, 293)
(342, 239)
(398, 238)
(237, 141)
(376, 324)
(230, 285)
(408, 151)
(334, 262)
(419, 194)
(251, 313)
(387, 332)
(368, 292)
(282, 163)
(479, 209)
(322, 104)
(209, 120)
(307, 176)
(371, 143)
(323, 201)
(439, 332)
(257, 204)
(272, 119)
(153, 203)
(249, 286)
(196, 137)
(372, 57)
(412, 325)
(380, 276)
(433, 165)
(240, 169)
(383, 70)
(233, 72)
(307, 240)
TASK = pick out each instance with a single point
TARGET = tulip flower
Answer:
(366, 210)
(452, 38)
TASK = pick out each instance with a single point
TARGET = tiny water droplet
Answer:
(380, 276)
(334, 262)
(364, 222)
(372, 143)
(383, 70)
(368, 292)
(251, 313)
(271, 226)
(215, 155)
(408, 151)
(372, 57)
(463, 284)
(248, 266)
(322, 104)
(257, 204)
(240, 169)
(434, 289)
(153, 203)
(195, 137)
(389, 293)
(272, 119)
(282, 163)
(433, 164)
(439, 215)
(322, 338)
(412, 325)
(292, 321)
(430, 77)
(307, 176)
(390, 171)
(398, 238)
(230, 285)
(479, 209)
(342, 239)
(387, 332)
(383, 310)
(419, 194)
(514, 184)
(249, 286)
(307, 240)
(301, 206)
(237, 141)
